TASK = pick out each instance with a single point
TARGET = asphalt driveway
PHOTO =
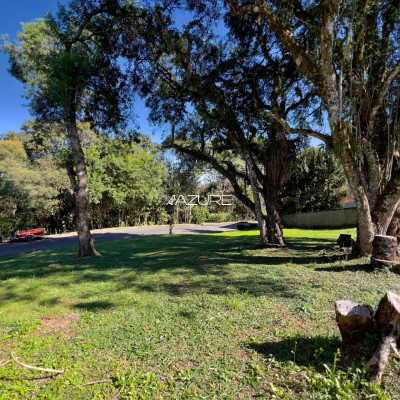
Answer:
(105, 235)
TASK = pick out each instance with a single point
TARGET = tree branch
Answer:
(229, 172)
(300, 131)
(386, 82)
(328, 72)
(285, 36)
(82, 26)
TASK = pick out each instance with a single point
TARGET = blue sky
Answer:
(12, 112)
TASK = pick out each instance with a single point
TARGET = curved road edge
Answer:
(105, 235)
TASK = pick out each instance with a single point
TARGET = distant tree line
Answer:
(130, 182)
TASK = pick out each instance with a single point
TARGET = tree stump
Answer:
(384, 251)
(388, 312)
(353, 320)
(345, 240)
(387, 323)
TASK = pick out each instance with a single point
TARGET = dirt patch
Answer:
(62, 325)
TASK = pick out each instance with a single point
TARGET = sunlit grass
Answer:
(191, 316)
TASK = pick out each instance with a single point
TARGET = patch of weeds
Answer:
(140, 385)
(340, 384)
(234, 303)
(21, 327)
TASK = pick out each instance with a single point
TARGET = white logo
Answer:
(194, 200)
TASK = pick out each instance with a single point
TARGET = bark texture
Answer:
(86, 244)
(274, 223)
(388, 312)
(262, 225)
(384, 251)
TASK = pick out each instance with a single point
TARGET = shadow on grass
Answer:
(359, 266)
(309, 352)
(94, 305)
(200, 263)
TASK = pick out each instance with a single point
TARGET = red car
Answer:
(30, 234)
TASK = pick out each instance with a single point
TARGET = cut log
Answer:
(345, 240)
(387, 323)
(384, 251)
(353, 320)
(388, 312)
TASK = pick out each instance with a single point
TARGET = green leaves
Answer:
(316, 182)
(28, 193)
(123, 175)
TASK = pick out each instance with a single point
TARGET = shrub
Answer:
(199, 214)
(220, 217)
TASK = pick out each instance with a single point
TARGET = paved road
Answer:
(104, 235)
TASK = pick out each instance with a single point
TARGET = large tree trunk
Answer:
(366, 229)
(365, 232)
(86, 245)
(274, 223)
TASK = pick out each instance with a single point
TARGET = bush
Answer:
(199, 214)
(220, 217)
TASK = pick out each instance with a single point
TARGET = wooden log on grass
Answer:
(353, 320)
(387, 323)
(384, 251)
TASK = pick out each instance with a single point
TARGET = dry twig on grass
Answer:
(54, 371)
(93, 383)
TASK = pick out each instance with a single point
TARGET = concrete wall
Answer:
(341, 218)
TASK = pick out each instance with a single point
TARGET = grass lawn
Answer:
(188, 317)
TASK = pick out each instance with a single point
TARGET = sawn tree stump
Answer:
(345, 240)
(353, 320)
(387, 323)
(384, 251)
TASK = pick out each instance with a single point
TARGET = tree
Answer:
(28, 194)
(70, 72)
(124, 177)
(217, 99)
(316, 182)
(42, 139)
(351, 57)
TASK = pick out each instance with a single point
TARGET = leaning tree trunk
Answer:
(86, 245)
(262, 226)
(394, 226)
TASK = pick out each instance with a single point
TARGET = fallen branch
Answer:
(379, 360)
(55, 371)
(93, 383)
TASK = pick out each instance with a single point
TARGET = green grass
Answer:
(188, 317)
